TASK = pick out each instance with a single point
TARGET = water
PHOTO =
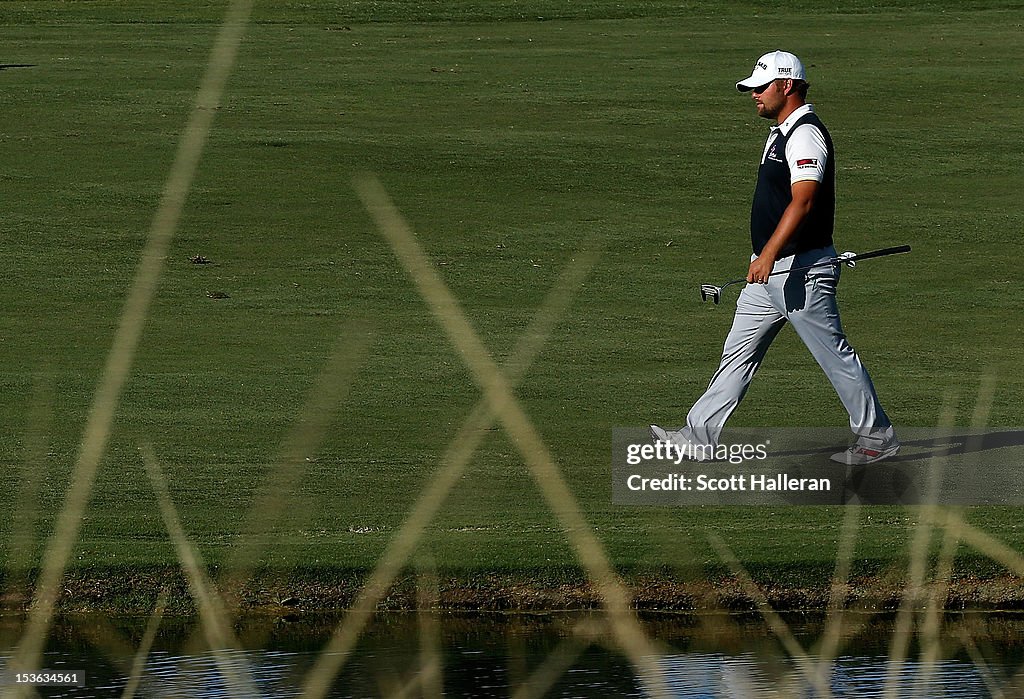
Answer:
(715, 655)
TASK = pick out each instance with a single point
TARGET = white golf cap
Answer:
(771, 66)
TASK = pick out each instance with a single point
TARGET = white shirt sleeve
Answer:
(806, 153)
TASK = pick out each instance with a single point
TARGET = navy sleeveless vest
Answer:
(773, 194)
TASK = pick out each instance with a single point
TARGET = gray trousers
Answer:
(808, 301)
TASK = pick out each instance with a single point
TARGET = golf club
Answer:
(850, 259)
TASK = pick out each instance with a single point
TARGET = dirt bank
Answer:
(134, 592)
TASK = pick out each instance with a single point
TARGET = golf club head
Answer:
(710, 291)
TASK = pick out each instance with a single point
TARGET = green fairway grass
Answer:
(512, 136)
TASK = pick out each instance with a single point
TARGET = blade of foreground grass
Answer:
(29, 490)
(277, 490)
(931, 642)
(832, 636)
(139, 663)
(919, 547)
(431, 672)
(216, 627)
(126, 339)
(778, 626)
(559, 660)
(460, 452)
(496, 388)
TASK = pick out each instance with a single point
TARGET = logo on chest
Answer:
(773, 153)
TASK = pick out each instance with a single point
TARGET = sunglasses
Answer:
(761, 88)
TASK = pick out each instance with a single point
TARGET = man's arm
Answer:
(794, 215)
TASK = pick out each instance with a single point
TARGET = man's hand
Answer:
(792, 218)
(760, 269)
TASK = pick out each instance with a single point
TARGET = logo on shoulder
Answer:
(807, 162)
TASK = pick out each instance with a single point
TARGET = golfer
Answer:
(791, 224)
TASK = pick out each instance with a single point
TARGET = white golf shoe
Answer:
(659, 434)
(860, 455)
(692, 450)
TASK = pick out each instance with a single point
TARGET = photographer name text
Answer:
(702, 482)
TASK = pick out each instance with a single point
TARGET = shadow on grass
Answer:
(937, 446)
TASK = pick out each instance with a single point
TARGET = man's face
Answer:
(770, 98)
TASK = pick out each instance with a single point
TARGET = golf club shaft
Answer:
(854, 258)
(716, 292)
(881, 253)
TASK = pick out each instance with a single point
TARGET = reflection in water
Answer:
(716, 675)
(705, 656)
